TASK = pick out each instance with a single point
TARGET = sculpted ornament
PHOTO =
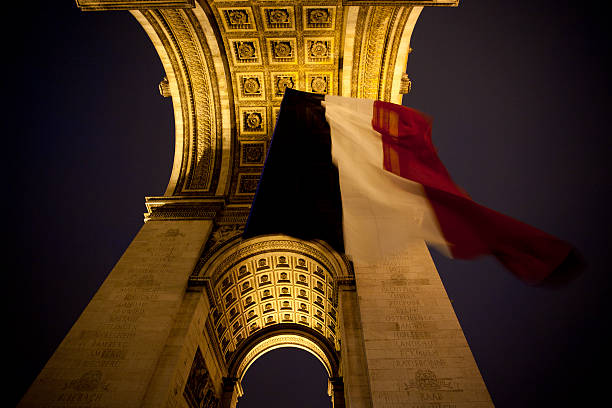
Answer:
(253, 120)
(319, 85)
(238, 17)
(318, 49)
(246, 50)
(278, 16)
(282, 49)
(251, 86)
(282, 82)
(318, 16)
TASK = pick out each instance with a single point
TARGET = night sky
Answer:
(519, 93)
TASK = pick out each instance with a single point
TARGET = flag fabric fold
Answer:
(298, 192)
(364, 176)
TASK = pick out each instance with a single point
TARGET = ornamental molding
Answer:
(182, 208)
(102, 5)
(280, 341)
(235, 252)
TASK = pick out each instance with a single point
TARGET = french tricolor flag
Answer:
(364, 176)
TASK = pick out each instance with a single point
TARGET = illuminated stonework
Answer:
(273, 288)
(228, 59)
(272, 281)
(283, 340)
(190, 305)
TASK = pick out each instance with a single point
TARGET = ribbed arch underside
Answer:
(273, 283)
(282, 341)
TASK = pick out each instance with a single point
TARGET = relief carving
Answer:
(278, 18)
(319, 17)
(199, 391)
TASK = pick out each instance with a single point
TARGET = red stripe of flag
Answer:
(470, 228)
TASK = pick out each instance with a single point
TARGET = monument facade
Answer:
(190, 305)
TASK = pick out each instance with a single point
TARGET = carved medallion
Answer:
(251, 86)
(319, 83)
(252, 153)
(253, 121)
(319, 50)
(282, 50)
(246, 51)
(237, 19)
(282, 81)
(278, 18)
(319, 17)
(247, 183)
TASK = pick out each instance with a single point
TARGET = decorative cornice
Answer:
(447, 3)
(103, 5)
(344, 282)
(182, 208)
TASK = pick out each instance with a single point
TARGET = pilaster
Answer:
(109, 356)
(415, 350)
(353, 361)
(231, 393)
(336, 392)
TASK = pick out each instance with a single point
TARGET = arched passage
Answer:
(294, 337)
(280, 338)
(285, 377)
(274, 292)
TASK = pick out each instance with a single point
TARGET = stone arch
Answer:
(288, 336)
(198, 81)
(284, 336)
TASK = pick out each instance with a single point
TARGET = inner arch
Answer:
(282, 341)
(285, 376)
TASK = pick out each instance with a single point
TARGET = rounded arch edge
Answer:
(236, 250)
(280, 336)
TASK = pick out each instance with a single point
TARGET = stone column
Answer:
(416, 353)
(109, 356)
(336, 392)
(231, 393)
(353, 361)
(187, 338)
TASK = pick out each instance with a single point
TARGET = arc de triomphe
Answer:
(190, 305)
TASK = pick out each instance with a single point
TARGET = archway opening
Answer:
(285, 377)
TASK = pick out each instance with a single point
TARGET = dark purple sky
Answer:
(519, 93)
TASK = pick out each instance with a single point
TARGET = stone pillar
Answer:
(109, 356)
(187, 338)
(336, 392)
(416, 353)
(231, 393)
(353, 361)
